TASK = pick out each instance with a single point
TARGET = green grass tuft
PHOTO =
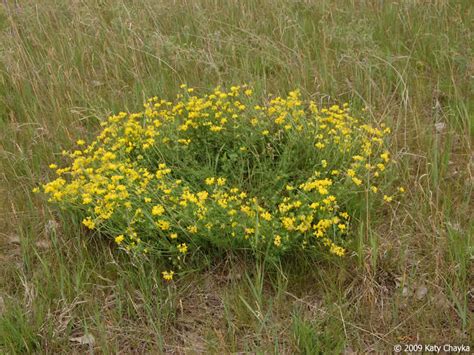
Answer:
(66, 65)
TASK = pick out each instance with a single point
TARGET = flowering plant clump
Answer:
(224, 171)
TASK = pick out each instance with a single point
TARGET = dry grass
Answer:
(67, 64)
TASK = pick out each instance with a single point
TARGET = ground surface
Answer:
(65, 65)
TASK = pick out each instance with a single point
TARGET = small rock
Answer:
(421, 292)
(405, 292)
(43, 244)
(461, 334)
(86, 339)
(440, 126)
(96, 83)
(14, 239)
(441, 301)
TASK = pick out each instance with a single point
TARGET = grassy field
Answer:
(67, 65)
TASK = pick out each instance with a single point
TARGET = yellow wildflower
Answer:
(157, 210)
(385, 156)
(168, 275)
(266, 216)
(277, 241)
(119, 239)
(210, 181)
(357, 181)
(182, 248)
(163, 225)
(337, 250)
(192, 229)
(88, 222)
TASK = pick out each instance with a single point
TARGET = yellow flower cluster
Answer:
(224, 170)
